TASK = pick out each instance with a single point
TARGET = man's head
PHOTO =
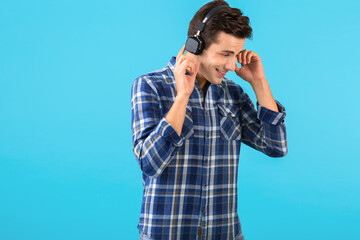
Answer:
(224, 36)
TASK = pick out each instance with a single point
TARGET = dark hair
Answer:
(228, 20)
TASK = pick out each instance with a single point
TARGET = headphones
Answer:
(195, 44)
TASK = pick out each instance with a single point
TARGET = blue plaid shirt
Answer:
(190, 181)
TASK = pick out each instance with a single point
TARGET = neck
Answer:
(203, 82)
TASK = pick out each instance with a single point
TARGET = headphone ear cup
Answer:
(194, 44)
(201, 45)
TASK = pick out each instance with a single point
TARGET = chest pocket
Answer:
(230, 127)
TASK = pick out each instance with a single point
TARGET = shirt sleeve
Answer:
(155, 141)
(264, 130)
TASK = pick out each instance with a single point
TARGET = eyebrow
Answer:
(228, 51)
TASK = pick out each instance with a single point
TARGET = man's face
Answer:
(220, 57)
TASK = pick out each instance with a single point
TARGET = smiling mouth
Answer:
(222, 72)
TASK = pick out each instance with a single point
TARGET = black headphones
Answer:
(195, 44)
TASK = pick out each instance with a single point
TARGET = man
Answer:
(188, 122)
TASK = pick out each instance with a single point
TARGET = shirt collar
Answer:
(171, 63)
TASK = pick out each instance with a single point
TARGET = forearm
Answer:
(264, 129)
(155, 152)
(176, 114)
(263, 94)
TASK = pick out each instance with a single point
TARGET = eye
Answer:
(225, 55)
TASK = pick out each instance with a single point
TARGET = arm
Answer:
(155, 141)
(264, 130)
(184, 85)
(176, 114)
(263, 94)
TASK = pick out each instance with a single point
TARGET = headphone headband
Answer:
(201, 25)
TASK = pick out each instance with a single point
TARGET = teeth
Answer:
(221, 71)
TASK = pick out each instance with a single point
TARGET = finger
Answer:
(239, 57)
(243, 56)
(184, 57)
(196, 69)
(190, 61)
(194, 63)
(249, 56)
(180, 60)
(187, 67)
(193, 68)
(237, 69)
(181, 53)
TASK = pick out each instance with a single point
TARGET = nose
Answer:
(230, 64)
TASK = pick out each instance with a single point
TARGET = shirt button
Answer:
(205, 185)
(204, 210)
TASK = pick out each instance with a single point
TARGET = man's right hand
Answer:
(187, 62)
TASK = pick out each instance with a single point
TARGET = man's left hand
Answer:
(252, 69)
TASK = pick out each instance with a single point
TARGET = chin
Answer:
(215, 81)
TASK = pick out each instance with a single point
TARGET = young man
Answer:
(188, 122)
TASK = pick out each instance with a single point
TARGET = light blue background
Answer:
(67, 170)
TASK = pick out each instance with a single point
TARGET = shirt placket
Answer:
(205, 160)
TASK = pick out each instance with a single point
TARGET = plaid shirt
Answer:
(190, 181)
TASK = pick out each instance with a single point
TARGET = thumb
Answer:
(238, 70)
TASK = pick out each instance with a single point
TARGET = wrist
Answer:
(182, 97)
(260, 83)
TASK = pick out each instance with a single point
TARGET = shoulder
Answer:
(157, 79)
(159, 84)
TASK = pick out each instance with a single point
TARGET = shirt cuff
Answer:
(270, 116)
(169, 133)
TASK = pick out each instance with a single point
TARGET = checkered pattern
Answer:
(191, 180)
